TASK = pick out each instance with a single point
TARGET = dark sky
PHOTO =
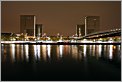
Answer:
(60, 17)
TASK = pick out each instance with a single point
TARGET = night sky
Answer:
(60, 17)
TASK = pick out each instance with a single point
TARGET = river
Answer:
(23, 62)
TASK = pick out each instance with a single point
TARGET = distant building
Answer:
(80, 30)
(27, 22)
(30, 32)
(92, 24)
(7, 36)
(38, 30)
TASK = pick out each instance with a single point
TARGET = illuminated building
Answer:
(92, 24)
(80, 30)
(38, 30)
(27, 22)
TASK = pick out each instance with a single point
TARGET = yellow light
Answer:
(12, 52)
(114, 47)
(44, 52)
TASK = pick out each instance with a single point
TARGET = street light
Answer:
(85, 25)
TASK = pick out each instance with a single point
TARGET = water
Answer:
(60, 62)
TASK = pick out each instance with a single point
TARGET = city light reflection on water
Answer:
(93, 52)
(22, 52)
(111, 51)
(27, 52)
(100, 49)
(60, 50)
(12, 50)
(37, 52)
(48, 50)
(75, 61)
(84, 50)
(44, 52)
(74, 51)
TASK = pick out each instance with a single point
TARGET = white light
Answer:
(60, 40)
(84, 47)
(27, 52)
(48, 50)
(12, 51)
(99, 41)
(84, 40)
(47, 41)
(38, 54)
(61, 50)
(111, 40)
(111, 52)
(100, 49)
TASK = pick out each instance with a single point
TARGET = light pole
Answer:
(85, 26)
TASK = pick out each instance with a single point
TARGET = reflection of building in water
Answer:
(60, 51)
(37, 52)
(26, 52)
(57, 51)
(94, 50)
(31, 53)
(66, 49)
(84, 47)
(110, 51)
(90, 49)
(74, 50)
(119, 52)
(98, 51)
(18, 52)
(22, 52)
(105, 50)
(48, 50)
(3, 52)
(12, 52)
(44, 55)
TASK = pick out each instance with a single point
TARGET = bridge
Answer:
(116, 33)
(104, 34)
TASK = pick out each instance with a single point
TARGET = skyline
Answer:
(59, 16)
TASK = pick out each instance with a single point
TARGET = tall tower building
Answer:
(92, 24)
(38, 30)
(27, 23)
(80, 30)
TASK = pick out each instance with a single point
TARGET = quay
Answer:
(60, 43)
